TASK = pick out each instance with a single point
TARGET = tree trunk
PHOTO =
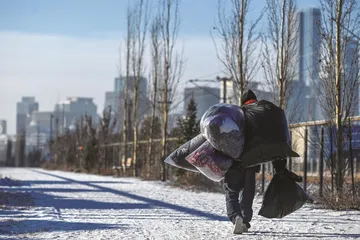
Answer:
(241, 20)
(151, 135)
(338, 110)
(282, 62)
(135, 127)
(165, 123)
(135, 145)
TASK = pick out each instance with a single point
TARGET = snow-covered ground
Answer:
(81, 206)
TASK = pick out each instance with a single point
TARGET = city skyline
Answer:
(52, 52)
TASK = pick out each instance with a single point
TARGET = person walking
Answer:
(240, 182)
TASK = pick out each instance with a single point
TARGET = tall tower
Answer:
(308, 68)
(24, 109)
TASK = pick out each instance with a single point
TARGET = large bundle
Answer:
(266, 132)
(222, 126)
(282, 197)
(177, 158)
(210, 162)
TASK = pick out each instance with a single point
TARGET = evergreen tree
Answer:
(189, 126)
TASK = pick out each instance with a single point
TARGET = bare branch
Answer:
(237, 42)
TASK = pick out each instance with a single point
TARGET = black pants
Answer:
(240, 182)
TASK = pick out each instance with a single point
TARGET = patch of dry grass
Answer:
(344, 200)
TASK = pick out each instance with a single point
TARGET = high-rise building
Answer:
(39, 130)
(116, 98)
(3, 127)
(308, 70)
(307, 74)
(120, 84)
(112, 100)
(69, 112)
(3, 143)
(351, 75)
(230, 92)
(24, 109)
(3, 149)
(204, 97)
(309, 44)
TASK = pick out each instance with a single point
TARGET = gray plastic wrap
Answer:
(177, 158)
(210, 162)
(222, 125)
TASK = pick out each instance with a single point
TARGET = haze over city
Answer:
(54, 50)
(159, 119)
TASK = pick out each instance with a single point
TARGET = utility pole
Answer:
(51, 133)
(51, 128)
(56, 127)
(224, 80)
(37, 137)
(63, 119)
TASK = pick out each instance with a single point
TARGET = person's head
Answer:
(248, 95)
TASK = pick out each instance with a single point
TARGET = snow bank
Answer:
(9, 182)
(82, 206)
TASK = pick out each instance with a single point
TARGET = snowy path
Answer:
(82, 206)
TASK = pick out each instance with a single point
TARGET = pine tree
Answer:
(189, 126)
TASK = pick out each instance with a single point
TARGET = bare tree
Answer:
(81, 136)
(91, 150)
(172, 64)
(140, 18)
(155, 74)
(126, 119)
(339, 70)
(105, 131)
(280, 49)
(237, 42)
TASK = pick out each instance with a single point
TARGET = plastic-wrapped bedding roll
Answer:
(210, 162)
(233, 111)
(177, 158)
(222, 125)
(266, 134)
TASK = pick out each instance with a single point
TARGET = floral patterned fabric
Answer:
(210, 162)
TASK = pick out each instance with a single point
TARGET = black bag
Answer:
(282, 197)
(266, 134)
(177, 158)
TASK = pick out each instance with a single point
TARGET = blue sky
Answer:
(85, 17)
(55, 49)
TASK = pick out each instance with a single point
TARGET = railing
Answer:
(315, 163)
(315, 143)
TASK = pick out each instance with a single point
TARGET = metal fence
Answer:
(123, 165)
(314, 141)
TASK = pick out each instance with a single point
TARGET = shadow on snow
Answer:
(33, 226)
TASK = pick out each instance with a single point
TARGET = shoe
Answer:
(247, 224)
(239, 226)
